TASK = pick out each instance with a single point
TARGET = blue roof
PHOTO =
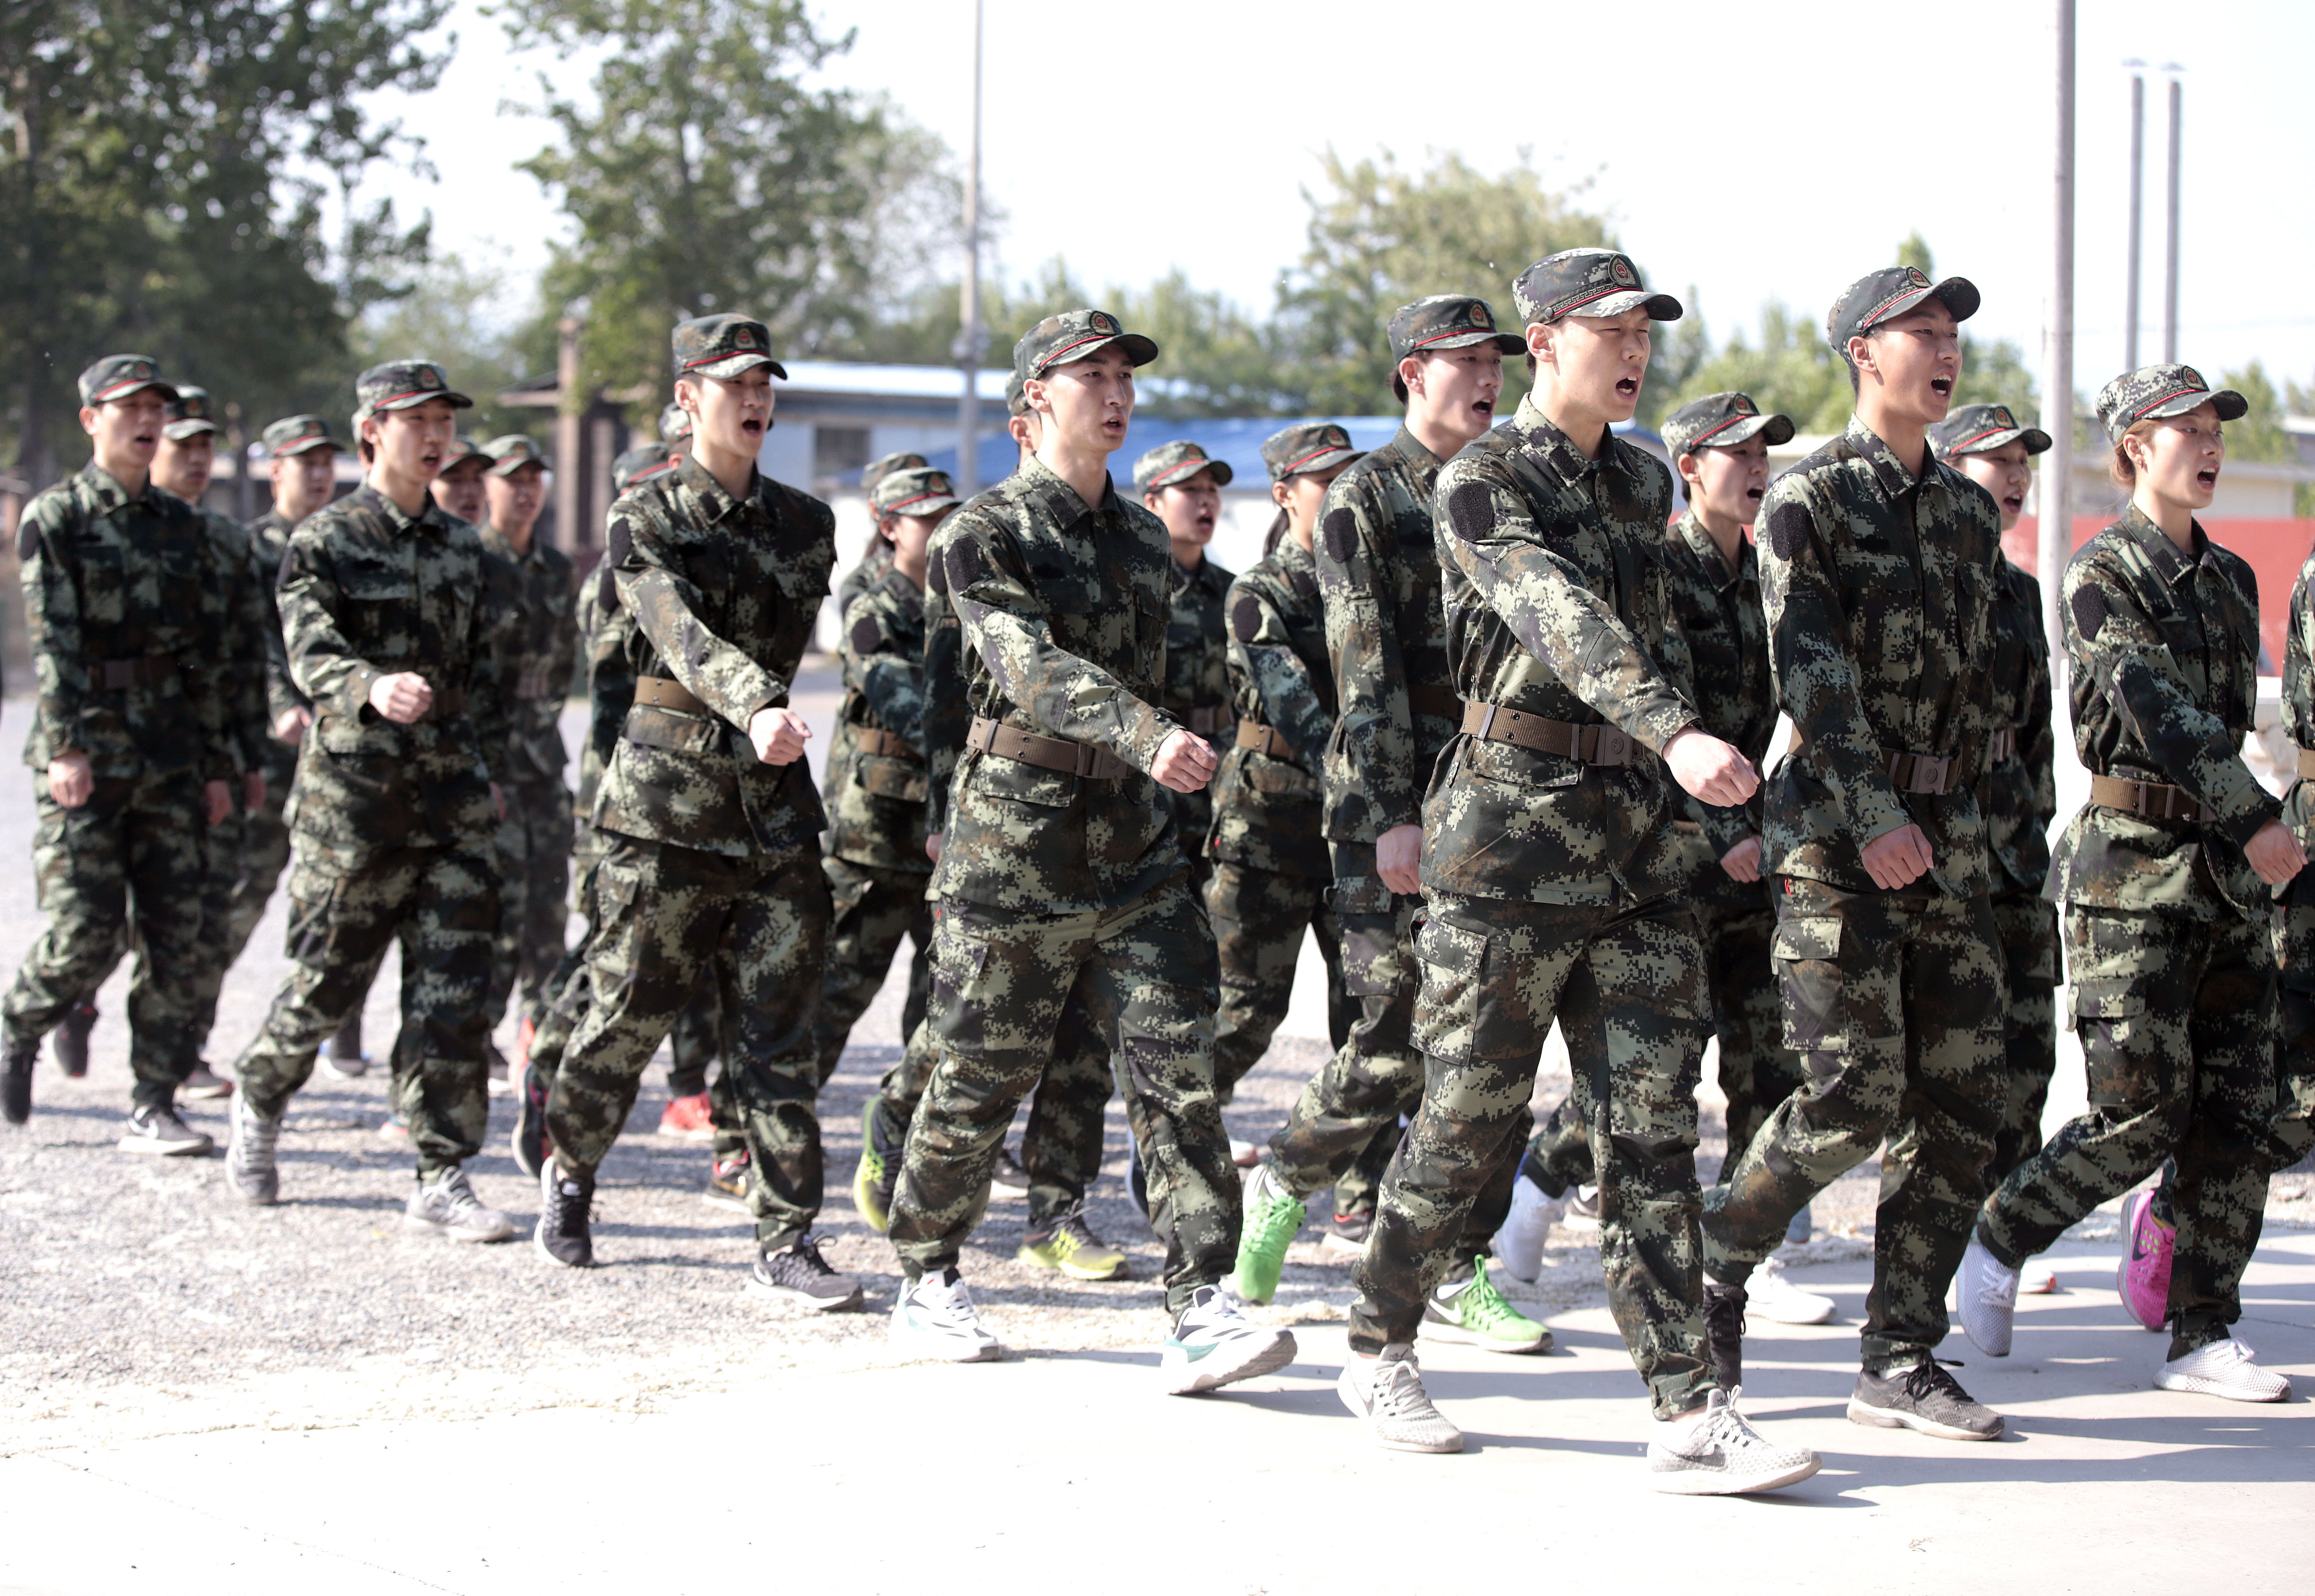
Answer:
(1236, 440)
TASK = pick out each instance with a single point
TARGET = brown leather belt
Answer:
(2002, 745)
(1208, 720)
(1263, 740)
(448, 702)
(1046, 753)
(534, 683)
(149, 671)
(2152, 800)
(876, 740)
(1932, 774)
(2307, 762)
(1593, 745)
(661, 693)
(1434, 701)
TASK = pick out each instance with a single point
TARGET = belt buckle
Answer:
(1930, 774)
(1614, 747)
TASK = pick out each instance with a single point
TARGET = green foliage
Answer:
(703, 175)
(2259, 434)
(150, 196)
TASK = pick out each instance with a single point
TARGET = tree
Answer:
(442, 318)
(703, 175)
(150, 197)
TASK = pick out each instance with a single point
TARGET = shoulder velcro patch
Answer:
(28, 537)
(1470, 510)
(867, 636)
(1340, 533)
(1787, 529)
(1245, 618)
(2089, 610)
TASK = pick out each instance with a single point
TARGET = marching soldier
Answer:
(1183, 488)
(458, 487)
(877, 557)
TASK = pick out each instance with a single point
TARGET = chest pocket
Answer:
(104, 585)
(1882, 593)
(801, 592)
(1026, 783)
(888, 777)
(185, 586)
(377, 610)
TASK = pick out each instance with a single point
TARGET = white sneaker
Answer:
(1988, 1293)
(1387, 1393)
(934, 1319)
(1714, 1452)
(2037, 1278)
(1582, 1207)
(2223, 1368)
(1519, 1245)
(1214, 1344)
(1770, 1294)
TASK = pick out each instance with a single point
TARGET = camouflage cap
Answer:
(295, 435)
(1447, 322)
(1722, 420)
(2154, 392)
(1072, 335)
(1981, 429)
(674, 424)
(459, 450)
(1170, 465)
(1588, 282)
(116, 376)
(878, 469)
(913, 491)
(1891, 291)
(510, 452)
(186, 415)
(636, 464)
(402, 384)
(722, 347)
(1016, 394)
(1308, 446)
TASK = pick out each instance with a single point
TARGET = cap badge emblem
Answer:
(1103, 324)
(1914, 279)
(1621, 271)
(1744, 406)
(2192, 379)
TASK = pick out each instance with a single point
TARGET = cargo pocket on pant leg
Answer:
(1806, 953)
(2110, 1014)
(1453, 962)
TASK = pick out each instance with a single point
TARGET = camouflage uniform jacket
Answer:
(1559, 605)
(1267, 807)
(2165, 655)
(1880, 591)
(877, 805)
(875, 562)
(253, 640)
(947, 714)
(1062, 611)
(1197, 643)
(1378, 579)
(2019, 795)
(268, 542)
(724, 593)
(367, 592)
(111, 578)
(2299, 696)
(1727, 632)
(610, 693)
(534, 600)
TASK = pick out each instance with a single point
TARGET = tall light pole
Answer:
(2137, 208)
(969, 337)
(2171, 282)
(2056, 518)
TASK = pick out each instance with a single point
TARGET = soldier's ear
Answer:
(88, 420)
(1542, 342)
(1860, 354)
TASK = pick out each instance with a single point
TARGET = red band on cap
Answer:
(413, 393)
(920, 499)
(130, 386)
(1956, 448)
(1569, 306)
(711, 360)
(1313, 454)
(2164, 399)
(1455, 333)
(1882, 309)
(1065, 348)
(1709, 431)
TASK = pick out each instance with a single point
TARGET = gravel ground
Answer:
(142, 1298)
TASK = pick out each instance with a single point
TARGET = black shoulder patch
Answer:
(867, 636)
(1245, 618)
(1340, 533)
(1470, 509)
(28, 537)
(1788, 530)
(2089, 610)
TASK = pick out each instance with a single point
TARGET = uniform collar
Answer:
(894, 580)
(1407, 445)
(1560, 453)
(714, 501)
(2160, 553)
(110, 494)
(1896, 478)
(1207, 576)
(431, 521)
(495, 541)
(1042, 486)
(1690, 530)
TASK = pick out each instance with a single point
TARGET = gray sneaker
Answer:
(1387, 1394)
(1714, 1452)
(249, 1154)
(205, 1083)
(447, 1206)
(153, 1129)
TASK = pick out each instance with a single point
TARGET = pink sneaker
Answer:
(687, 1118)
(2143, 1278)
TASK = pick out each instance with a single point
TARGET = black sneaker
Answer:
(16, 1084)
(798, 1274)
(343, 1058)
(1724, 1331)
(70, 1039)
(204, 1084)
(565, 1205)
(1009, 1179)
(156, 1129)
(529, 1136)
(1137, 1178)
(1922, 1398)
(1346, 1233)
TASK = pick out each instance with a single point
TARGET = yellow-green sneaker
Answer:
(1473, 1313)
(871, 1194)
(1273, 1215)
(1072, 1247)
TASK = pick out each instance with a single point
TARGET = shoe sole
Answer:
(705, 1134)
(1705, 1482)
(931, 1349)
(1365, 1415)
(498, 1089)
(1456, 1335)
(1331, 1243)
(2134, 1207)
(724, 1200)
(411, 1222)
(522, 1160)
(2197, 1385)
(1071, 1267)
(757, 1288)
(337, 1071)
(1890, 1418)
(1815, 1317)
(998, 1188)
(1206, 1376)
(206, 1094)
(167, 1149)
(538, 1244)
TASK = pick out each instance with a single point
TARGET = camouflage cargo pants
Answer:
(1893, 1001)
(1624, 981)
(346, 905)
(1348, 1114)
(670, 921)
(534, 912)
(2294, 1052)
(1259, 917)
(264, 854)
(875, 910)
(136, 857)
(2177, 1017)
(1143, 976)
(2028, 928)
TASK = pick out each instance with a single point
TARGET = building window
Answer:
(838, 451)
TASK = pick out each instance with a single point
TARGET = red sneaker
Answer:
(689, 1119)
(523, 1032)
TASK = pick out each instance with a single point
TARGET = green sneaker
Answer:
(1475, 1314)
(1273, 1215)
(1071, 1248)
(868, 1179)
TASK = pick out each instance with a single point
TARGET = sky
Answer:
(1748, 160)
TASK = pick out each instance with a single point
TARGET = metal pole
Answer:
(969, 337)
(2137, 192)
(2171, 284)
(2056, 506)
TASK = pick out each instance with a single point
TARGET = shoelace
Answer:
(1398, 1388)
(574, 1205)
(1729, 1428)
(804, 1258)
(458, 1197)
(258, 1131)
(1482, 1306)
(2226, 1352)
(1929, 1378)
(1276, 1212)
(2001, 1292)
